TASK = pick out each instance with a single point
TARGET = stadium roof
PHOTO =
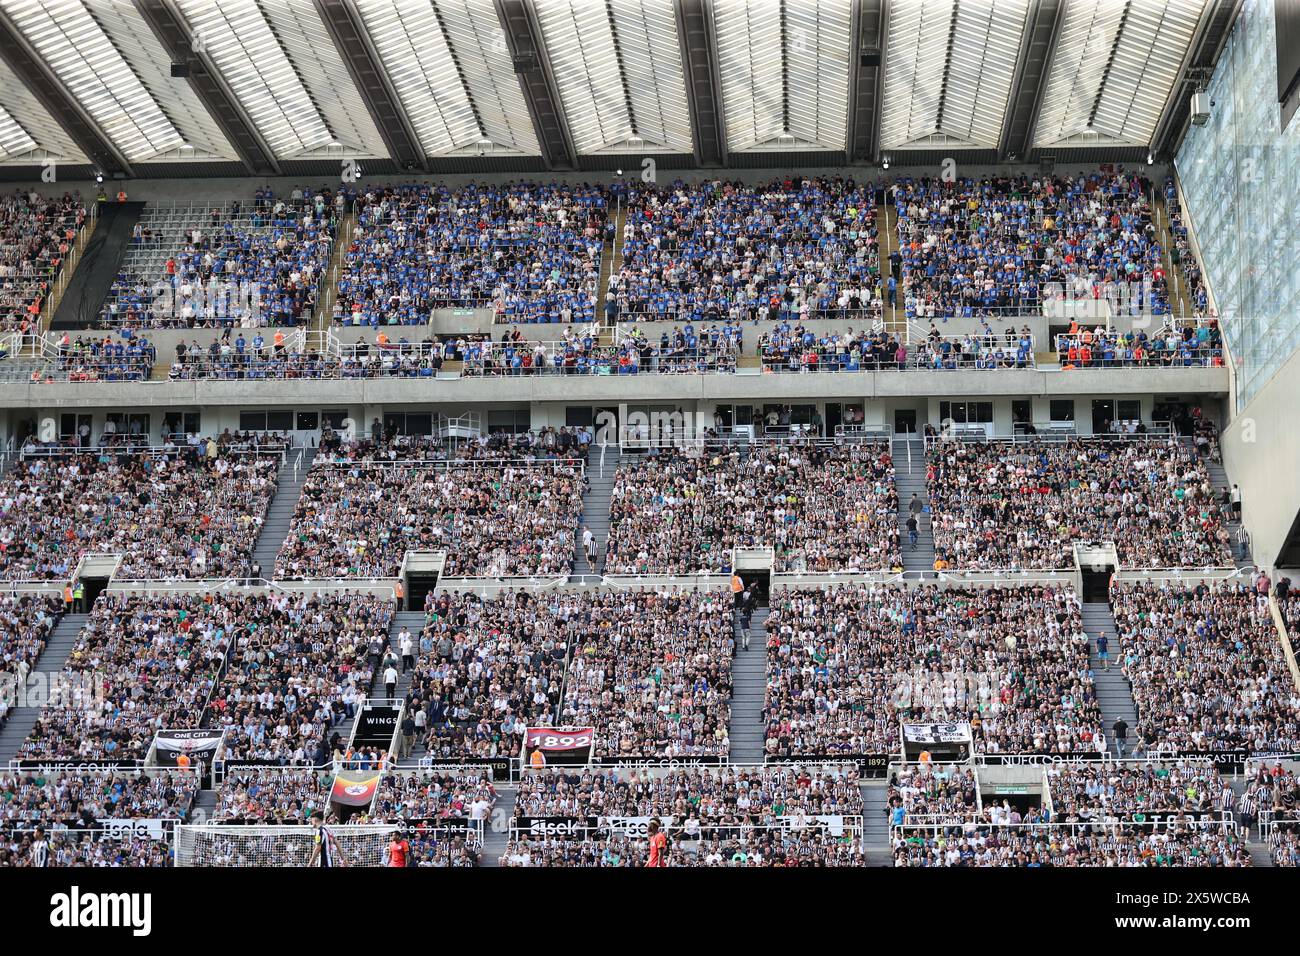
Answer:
(297, 86)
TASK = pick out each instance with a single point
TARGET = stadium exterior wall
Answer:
(1261, 451)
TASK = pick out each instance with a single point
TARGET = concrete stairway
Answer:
(323, 316)
(1219, 480)
(23, 719)
(279, 513)
(495, 835)
(1259, 851)
(911, 482)
(895, 317)
(611, 261)
(875, 823)
(414, 621)
(1114, 693)
(204, 807)
(748, 689)
(595, 507)
(1179, 299)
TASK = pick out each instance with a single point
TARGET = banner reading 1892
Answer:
(566, 746)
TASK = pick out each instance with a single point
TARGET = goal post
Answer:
(238, 845)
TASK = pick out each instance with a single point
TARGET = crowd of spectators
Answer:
(529, 251)
(181, 511)
(495, 509)
(713, 251)
(153, 660)
(651, 672)
(271, 795)
(1023, 505)
(1184, 843)
(1271, 798)
(747, 847)
(488, 668)
(240, 355)
(684, 351)
(821, 506)
(935, 794)
(26, 623)
(103, 360)
(299, 665)
(79, 800)
(236, 266)
(81, 847)
(435, 795)
(1206, 667)
(1175, 345)
(711, 796)
(36, 234)
(1102, 792)
(991, 247)
(845, 663)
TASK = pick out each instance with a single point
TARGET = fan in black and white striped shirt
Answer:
(40, 849)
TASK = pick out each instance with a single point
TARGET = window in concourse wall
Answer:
(512, 421)
(1061, 410)
(966, 413)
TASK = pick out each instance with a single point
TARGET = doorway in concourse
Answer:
(905, 421)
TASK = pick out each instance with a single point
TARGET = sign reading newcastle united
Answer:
(200, 745)
(558, 745)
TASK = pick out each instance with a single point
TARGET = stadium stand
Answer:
(495, 514)
(1001, 246)
(730, 463)
(821, 505)
(529, 251)
(27, 622)
(36, 234)
(845, 662)
(226, 263)
(787, 816)
(1022, 505)
(1207, 668)
(172, 512)
(794, 247)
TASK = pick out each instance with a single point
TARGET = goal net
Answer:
(215, 845)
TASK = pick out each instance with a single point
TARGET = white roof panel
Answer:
(618, 66)
(451, 66)
(1094, 99)
(785, 72)
(934, 98)
(76, 47)
(237, 37)
(35, 122)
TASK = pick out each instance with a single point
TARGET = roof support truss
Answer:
(1036, 50)
(354, 45)
(703, 83)
(524, 36)
(52, 94)
(173, 32)
(866, 82)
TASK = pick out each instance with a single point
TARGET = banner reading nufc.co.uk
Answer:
(569, 746)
